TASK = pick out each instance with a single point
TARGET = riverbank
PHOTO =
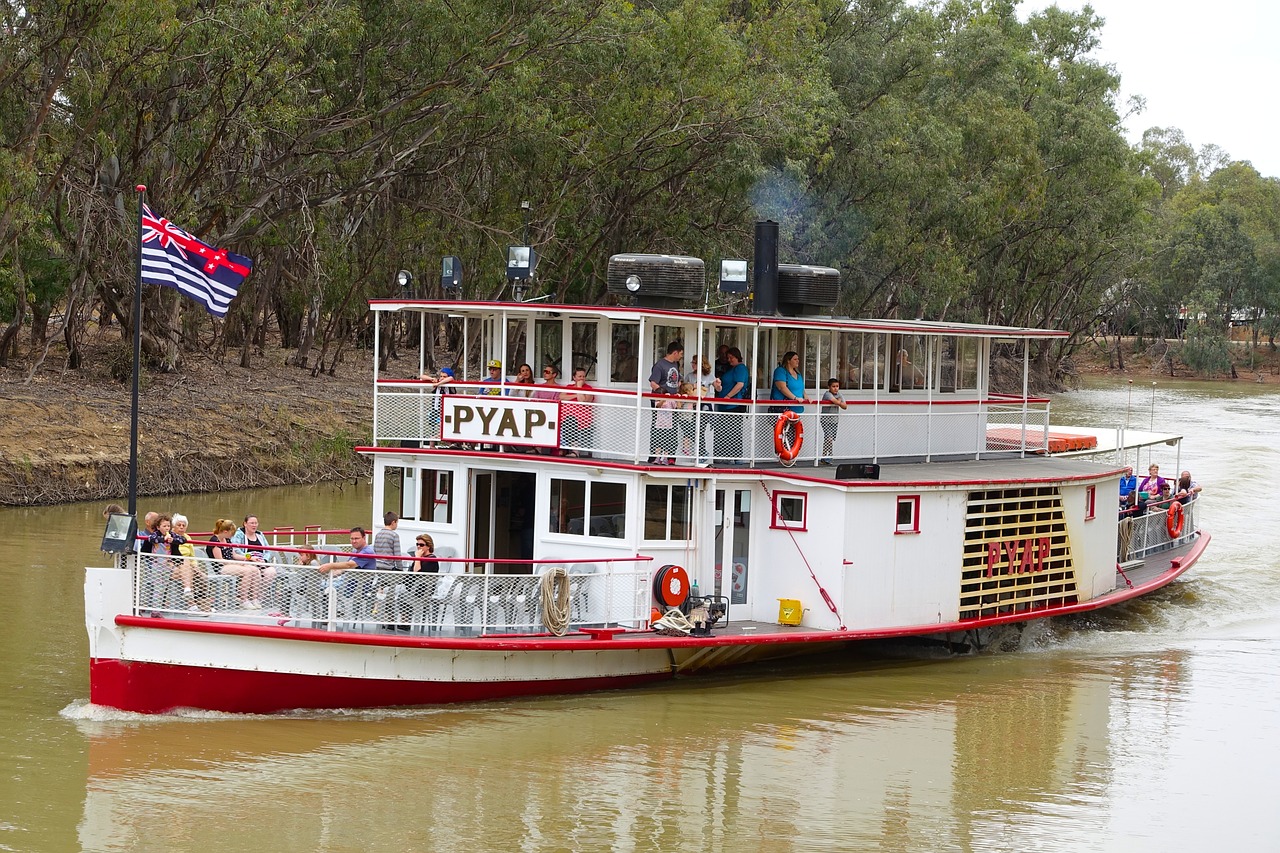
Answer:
(211, 426)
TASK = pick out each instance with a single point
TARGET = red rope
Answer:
(825, 597)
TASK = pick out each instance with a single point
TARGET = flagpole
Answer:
(137, 361)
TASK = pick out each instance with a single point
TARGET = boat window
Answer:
(789, 511)
(548, 346)
(587, 508)
(585, 347)
(437, 496)
(862, 354)
(663, 335)
(625, 355)
(967, 364)
(911, 363)
(908, 514)
(948, 350)
(397, 490)
(516, 335)
(1090, 501)
(666, 512)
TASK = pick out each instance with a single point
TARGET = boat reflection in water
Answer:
(894, 756)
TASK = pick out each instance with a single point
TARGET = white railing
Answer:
(451, 602)
(1142, 535)
(632, 427)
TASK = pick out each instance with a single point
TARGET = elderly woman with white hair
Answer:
(195, 581)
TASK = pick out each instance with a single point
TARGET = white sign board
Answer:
(500, 420)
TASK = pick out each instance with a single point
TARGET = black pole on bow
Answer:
(137, 363)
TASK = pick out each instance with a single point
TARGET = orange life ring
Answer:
(788, 450)
(671, 586)
(1174, 519)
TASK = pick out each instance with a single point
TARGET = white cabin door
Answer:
(733, 547)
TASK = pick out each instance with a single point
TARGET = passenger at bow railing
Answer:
(1186, 489)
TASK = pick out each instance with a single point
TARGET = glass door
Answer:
(732, 552)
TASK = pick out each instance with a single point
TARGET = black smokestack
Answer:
(765, 299)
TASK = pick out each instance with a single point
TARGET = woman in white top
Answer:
(706, 378)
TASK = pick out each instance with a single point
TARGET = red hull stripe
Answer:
(649, 640)
(152, 688)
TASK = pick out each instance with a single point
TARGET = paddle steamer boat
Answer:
(607, 541)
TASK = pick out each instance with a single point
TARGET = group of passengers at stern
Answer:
(1154, 491)
(244, 553)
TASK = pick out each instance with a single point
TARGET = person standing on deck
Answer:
(788, 384)
(734, 385)
(387, 541)
(664, 378)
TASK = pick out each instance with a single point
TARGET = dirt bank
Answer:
(208, 427)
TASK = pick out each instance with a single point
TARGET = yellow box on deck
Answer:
(789, 611)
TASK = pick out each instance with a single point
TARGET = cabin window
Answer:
(908, 514)
(667, 511)
(862, 354)
(967, 364)
(585, 347)
(517, 334)
(548, 347)
(588, 508)
(398, 490)
(910, 363)
(437, 496)
(1090, 501)
(789, 511)
(624, 358)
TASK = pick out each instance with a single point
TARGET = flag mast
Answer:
(137, 360)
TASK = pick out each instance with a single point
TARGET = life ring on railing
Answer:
(1174, 519)
(788, 437)
(671, 586)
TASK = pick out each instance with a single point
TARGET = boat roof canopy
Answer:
(631, 313)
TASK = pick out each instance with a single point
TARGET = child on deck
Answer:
(664, 430)
(830, 422)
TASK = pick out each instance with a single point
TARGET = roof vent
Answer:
(657, 281)
(803, 289)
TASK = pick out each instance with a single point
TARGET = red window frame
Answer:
(1090, 502)
(780, 523)
(914, 525)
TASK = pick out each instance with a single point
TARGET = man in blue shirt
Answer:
(362, 556)
(1128, 482)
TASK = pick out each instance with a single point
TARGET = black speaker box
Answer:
(858, 471)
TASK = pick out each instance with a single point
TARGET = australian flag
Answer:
(173, 258)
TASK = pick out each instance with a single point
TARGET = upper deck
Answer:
(915, 389)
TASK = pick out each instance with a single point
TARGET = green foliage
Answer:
(954, 161)
(1206, 350)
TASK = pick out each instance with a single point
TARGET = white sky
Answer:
(1209, 68)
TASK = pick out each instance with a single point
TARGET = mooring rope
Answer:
(1126, 537)
(555, 600)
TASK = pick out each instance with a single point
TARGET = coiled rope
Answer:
(1126, 537)
(555, 600)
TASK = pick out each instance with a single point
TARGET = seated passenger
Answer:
(1187, 488)
(1153, 483)
(1128, 482)
(195, 581)
(249, 587)
(549, 388)
(523, 381)
(362, 557)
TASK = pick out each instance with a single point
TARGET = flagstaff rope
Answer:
(555, 600)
